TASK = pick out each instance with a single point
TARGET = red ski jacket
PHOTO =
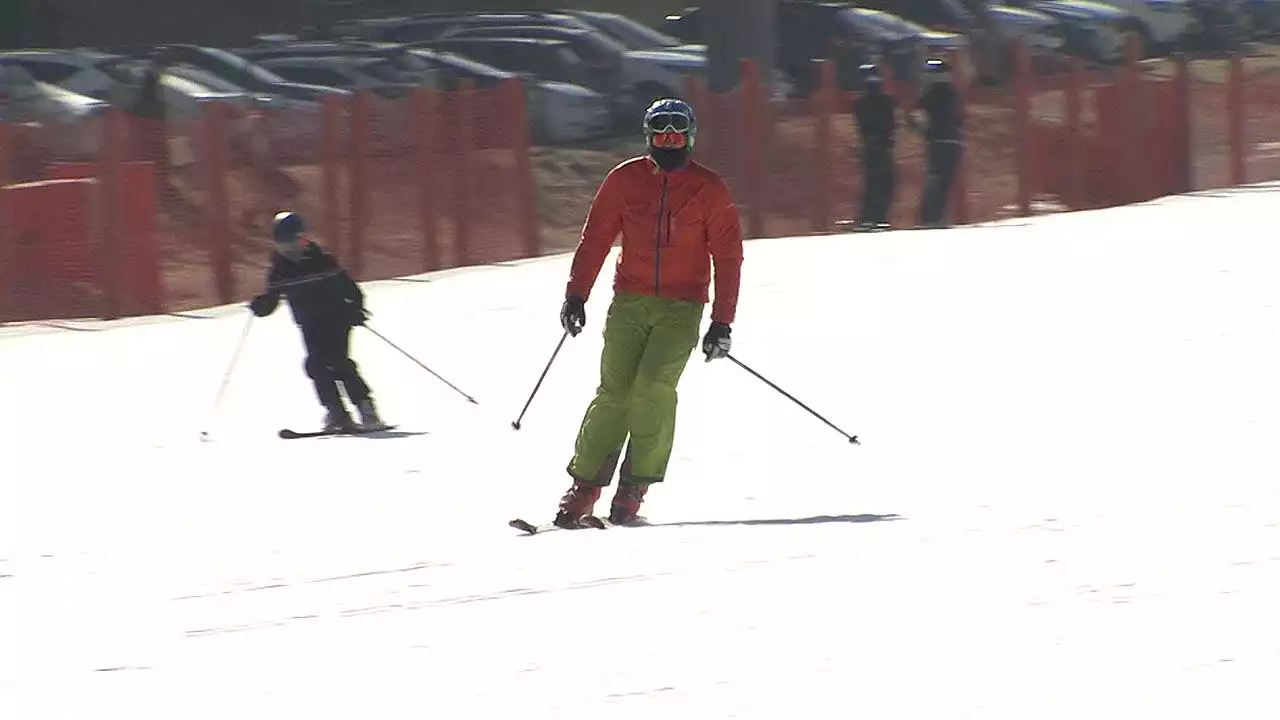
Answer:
(672, 225)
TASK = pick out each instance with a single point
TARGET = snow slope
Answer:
(1066, 503)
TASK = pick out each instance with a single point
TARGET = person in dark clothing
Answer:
(874, 111)
(326, 303)
(946, 117)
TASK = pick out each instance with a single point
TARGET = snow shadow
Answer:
(815, 520)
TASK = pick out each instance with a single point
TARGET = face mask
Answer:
(291, 250)
(669, 158)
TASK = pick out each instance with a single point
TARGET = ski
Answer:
(287, 434)
(528, 528)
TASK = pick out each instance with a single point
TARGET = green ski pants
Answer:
(647, 343)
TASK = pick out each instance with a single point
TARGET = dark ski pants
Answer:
(329, 363)
(877, 184)
(943, 157)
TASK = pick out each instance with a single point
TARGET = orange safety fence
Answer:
(114, 215)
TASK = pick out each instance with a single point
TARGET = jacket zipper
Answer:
(657, 240)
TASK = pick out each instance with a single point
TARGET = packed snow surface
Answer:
(1065, 503)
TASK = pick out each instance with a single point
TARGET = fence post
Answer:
(1022, 123)
(6, 259)
(1131, 139)
(331, 152)
(111, 169)
(521, 144)
(424, 126)
(959, 200)
(697, 95)
(752, 112)
(361, 141)
(463, 140)
(1235, 116)
(821, 105)
(1182, 123)
(1077, 148)
(218, 220)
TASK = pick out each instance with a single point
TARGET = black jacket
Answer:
(876, 120)
(318, 289)
(942, 102)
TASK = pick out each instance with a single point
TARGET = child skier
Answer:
(326, 303)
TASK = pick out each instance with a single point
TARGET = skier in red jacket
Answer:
(675, 217)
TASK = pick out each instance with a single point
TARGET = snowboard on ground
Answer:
(287, 434)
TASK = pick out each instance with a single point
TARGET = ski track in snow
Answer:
(1066, 503)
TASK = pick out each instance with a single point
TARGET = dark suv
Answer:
(809, 31)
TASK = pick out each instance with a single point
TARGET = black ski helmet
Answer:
(287, 227)
(870, 74)
(937, 69)
(669, 131)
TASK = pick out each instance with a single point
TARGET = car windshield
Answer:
(444, 59)
(207, 79)
(889, 22)
(408, 63)
(570, 67)
(257, 72)
(386, 71)
(629, 33)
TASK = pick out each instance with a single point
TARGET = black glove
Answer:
(356, 313)
(262, 305)
(573, 315)
(716, 342)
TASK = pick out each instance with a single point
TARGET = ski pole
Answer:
(564, 337)
(226, 376)
(852, 438)
(419, 363)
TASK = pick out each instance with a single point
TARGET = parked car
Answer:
(295, 126)
(945, 15)
(557, 112)
(421, 28)
(635, 78)
(253, 78)
(606, 62)
(927, 43)
(346, 72)
(1044, 36)
(550, 61)
(1221, 25)
(398, 56)
(632, 34)
(1094, 31)
(116, 79)
(184, 97)
(87, 72)
(1264, 18)
(71, 124)
(1161, 24)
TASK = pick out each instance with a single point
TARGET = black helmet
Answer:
(870, 74)
(937, 69)
(287, 226)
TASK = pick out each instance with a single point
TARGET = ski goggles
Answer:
(668, 139)
(667, 122)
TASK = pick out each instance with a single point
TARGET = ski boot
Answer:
(626, 503)
(338, 420)
(577, 503)
(369, 419)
